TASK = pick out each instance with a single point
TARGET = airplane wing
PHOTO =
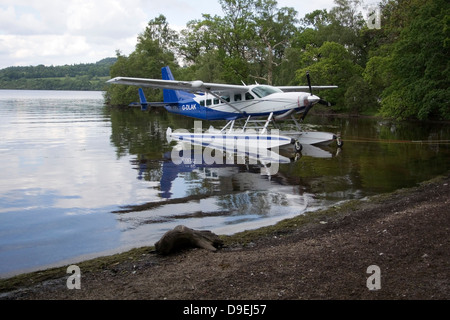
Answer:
(303, 88)
(191, 86)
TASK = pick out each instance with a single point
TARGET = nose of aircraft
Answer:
(313, 99)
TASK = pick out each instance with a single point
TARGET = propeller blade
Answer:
(325, 103)
(309, 82)
(306, 111)
(310, 104)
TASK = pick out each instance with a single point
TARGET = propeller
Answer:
(311, 102)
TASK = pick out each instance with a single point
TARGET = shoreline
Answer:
(321, 255)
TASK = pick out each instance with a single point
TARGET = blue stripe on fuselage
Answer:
(191, 108)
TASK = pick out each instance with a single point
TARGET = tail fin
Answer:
(173, 96)
(144, 103)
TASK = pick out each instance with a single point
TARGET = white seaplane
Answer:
(257, 106)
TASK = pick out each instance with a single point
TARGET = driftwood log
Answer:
(182, 237)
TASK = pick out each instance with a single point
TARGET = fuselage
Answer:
(258, 101)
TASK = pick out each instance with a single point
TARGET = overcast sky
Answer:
(54, 32)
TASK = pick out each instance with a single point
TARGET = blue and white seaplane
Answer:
(256, 106)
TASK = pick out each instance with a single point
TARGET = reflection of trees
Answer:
(377, 157)
(198, 183)
(252, 202)
(149, 170)
(143, 135)
(370, 165)
(135, 132)
(138, 133)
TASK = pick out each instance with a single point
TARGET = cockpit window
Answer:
(263, 91)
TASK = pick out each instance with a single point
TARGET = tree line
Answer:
(397, 67)
(90, 76)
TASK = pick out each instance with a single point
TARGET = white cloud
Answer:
(48, 49)
(304, 7)
(80, 31)
(74, 31)
(21, 23)
(112, 19)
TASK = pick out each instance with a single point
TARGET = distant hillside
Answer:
(91, 76)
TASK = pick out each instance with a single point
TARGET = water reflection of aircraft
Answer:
(218, 197)
(211, 171)
(258, 106)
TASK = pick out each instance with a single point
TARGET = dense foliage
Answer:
(417, 60)
(90, 76)
(399, 68)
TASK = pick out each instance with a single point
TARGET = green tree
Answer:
(359, 97)
(420, 64)
(153, 51)
(378, 74)
(275, 27)
(331, 64)
(401, 68)
(248, 42)
(342, 24)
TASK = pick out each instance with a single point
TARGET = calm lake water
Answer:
(70, 167)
